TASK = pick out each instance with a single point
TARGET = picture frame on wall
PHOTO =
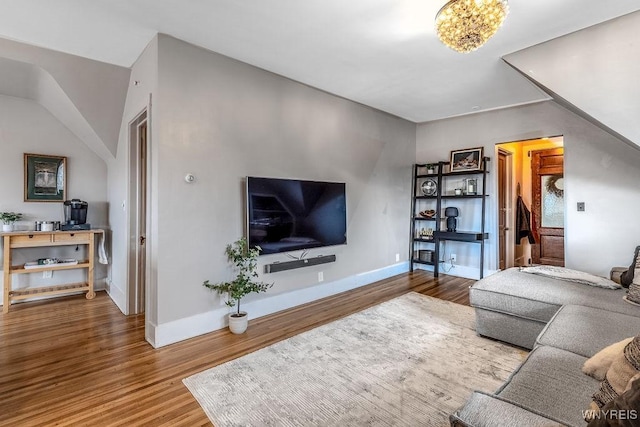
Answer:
(45, 178)
(469, 159)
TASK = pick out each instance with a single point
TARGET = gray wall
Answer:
(222, 120)
(27, 127)
(600, 170)
(145, 72)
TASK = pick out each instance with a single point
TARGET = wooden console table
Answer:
(37, 239)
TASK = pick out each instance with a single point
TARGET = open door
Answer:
(503, 208)
(547, 178)
(138, 166)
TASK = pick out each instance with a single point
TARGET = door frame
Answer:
(509, 203)
(137, 260)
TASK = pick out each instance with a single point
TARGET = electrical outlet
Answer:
(453, 258)
(397, 257)
(580, 206)
(320, 276)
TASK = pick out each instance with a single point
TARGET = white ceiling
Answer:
(381, 53)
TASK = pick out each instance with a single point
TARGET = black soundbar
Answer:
(299, 263)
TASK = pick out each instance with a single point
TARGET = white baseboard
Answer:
(150, 333)
(189, 327)
(460, 271)
(117, 296)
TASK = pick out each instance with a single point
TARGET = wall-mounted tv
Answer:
(287, 214)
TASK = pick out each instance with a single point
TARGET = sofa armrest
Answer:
(485, 410)
(616, 273)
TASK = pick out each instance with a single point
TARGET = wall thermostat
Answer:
(190, 178)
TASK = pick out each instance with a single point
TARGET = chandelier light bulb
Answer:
(465, 25)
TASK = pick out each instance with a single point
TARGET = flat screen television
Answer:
(288, 214)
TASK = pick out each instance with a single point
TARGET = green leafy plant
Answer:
(244, 261)
(9, 217)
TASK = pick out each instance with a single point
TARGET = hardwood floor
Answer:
(71, 361)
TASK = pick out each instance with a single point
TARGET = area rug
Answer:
(410, 361)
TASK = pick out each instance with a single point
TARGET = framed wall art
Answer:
(469, 159)
(45, 178)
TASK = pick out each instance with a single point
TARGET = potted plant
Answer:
(244, 261)
(8, 218)
(431, 168)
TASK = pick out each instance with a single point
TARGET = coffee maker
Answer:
(75, 215)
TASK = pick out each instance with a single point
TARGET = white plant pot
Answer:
(238, 324)
(7, 228)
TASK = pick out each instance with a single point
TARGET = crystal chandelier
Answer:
(465, 25)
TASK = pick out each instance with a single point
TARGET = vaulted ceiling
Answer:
(381, 53)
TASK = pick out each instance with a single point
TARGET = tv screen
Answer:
(287, 215)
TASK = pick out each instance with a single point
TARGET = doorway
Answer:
(138, 167)
(547, 171)
(515, 191)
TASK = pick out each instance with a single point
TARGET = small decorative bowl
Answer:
(430, 213)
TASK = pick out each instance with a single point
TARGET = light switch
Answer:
(580, 206)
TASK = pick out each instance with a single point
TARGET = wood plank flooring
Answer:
(70, 361)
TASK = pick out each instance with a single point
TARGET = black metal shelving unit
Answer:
(440, 235)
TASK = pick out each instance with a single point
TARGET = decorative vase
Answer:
(238, 322)
(7, 228)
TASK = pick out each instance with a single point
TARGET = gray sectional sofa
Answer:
(564, 324)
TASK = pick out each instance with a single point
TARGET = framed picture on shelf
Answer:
(469, 159)
(44, 178)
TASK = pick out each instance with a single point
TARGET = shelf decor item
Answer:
(44, 178)
(429, 187)
(244, 261)
(466, 160)
(7, 219)
(470, 186)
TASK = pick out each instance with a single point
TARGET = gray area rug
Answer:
(410, 361)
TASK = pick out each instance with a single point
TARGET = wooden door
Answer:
(547, 172)
(138, 171)
(502, 210)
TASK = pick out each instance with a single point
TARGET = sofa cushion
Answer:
(483, 410)
(508, 328)
(539, 298)
(586, 330)
(551, 382)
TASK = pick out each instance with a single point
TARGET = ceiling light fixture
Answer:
(465, 25)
